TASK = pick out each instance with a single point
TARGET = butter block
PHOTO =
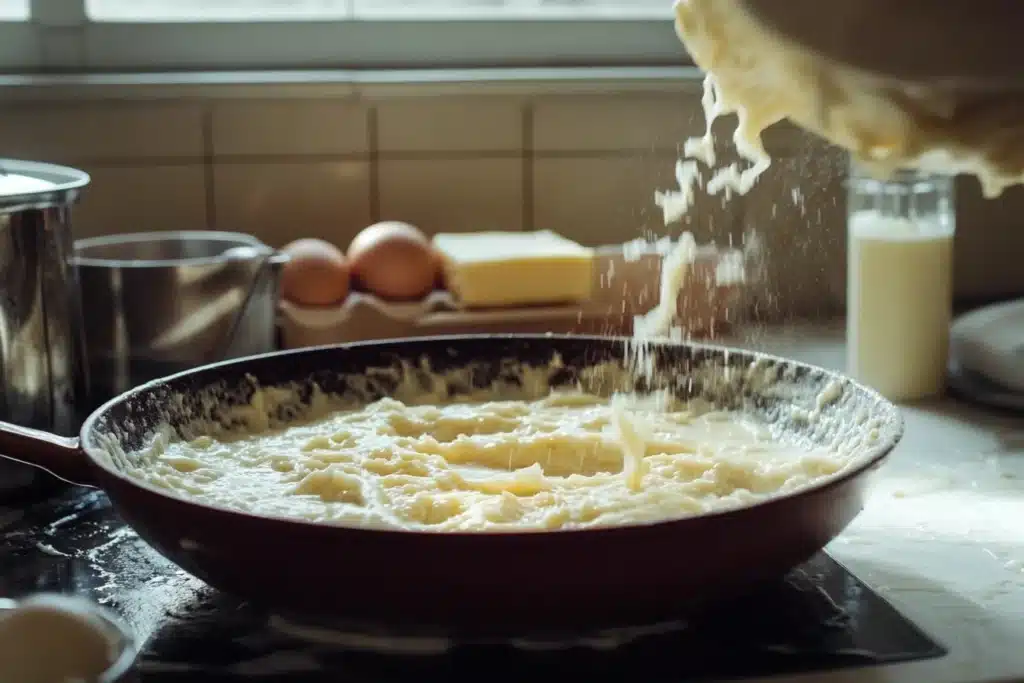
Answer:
(507, 269)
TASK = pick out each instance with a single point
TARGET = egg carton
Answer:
(627, 278)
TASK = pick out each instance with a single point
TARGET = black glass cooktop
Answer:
(820, 617)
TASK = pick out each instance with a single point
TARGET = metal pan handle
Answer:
(61, 456)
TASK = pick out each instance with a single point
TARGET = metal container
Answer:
(161, 302)
(43, 383)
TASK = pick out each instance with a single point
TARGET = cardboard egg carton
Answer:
(626, 285)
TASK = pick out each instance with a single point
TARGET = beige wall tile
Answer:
(142, 199)
(448, 195)
(282, 202)
(612, 123)
(72, 132)
(989, 243)
(798, 209)
(456, 124)
(146, 162)
(290, 127)
(611, 200)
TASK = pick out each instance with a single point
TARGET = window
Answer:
(133, 35)
(13, 10)
(217, 10)
(322, 10)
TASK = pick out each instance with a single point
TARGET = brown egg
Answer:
(394, 261)
(317, 273)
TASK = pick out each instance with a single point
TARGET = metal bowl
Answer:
(157, 303)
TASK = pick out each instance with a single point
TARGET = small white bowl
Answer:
(50, 638)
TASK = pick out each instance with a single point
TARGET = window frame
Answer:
(59, 37)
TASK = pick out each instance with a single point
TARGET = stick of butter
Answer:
(506, 269)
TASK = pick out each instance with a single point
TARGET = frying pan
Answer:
(484, 581)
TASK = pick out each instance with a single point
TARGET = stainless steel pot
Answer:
(158, 303)
(44, 379)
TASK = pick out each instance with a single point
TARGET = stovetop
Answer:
(820, 617)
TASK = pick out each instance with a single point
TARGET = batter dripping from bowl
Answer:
(962, 116)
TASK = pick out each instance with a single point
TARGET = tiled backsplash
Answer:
(586, 165)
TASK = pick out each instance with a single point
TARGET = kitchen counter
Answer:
(942, 536)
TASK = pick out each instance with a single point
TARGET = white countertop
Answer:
(942, 536)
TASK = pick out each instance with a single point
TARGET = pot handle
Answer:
(61, 456)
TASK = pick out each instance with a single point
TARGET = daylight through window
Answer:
(14, 10)
(227, 35)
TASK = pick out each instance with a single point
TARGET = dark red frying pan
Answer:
(480, 580)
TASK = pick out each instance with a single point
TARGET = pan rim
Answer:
(860, 466)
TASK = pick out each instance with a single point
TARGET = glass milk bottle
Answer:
(900, 282)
